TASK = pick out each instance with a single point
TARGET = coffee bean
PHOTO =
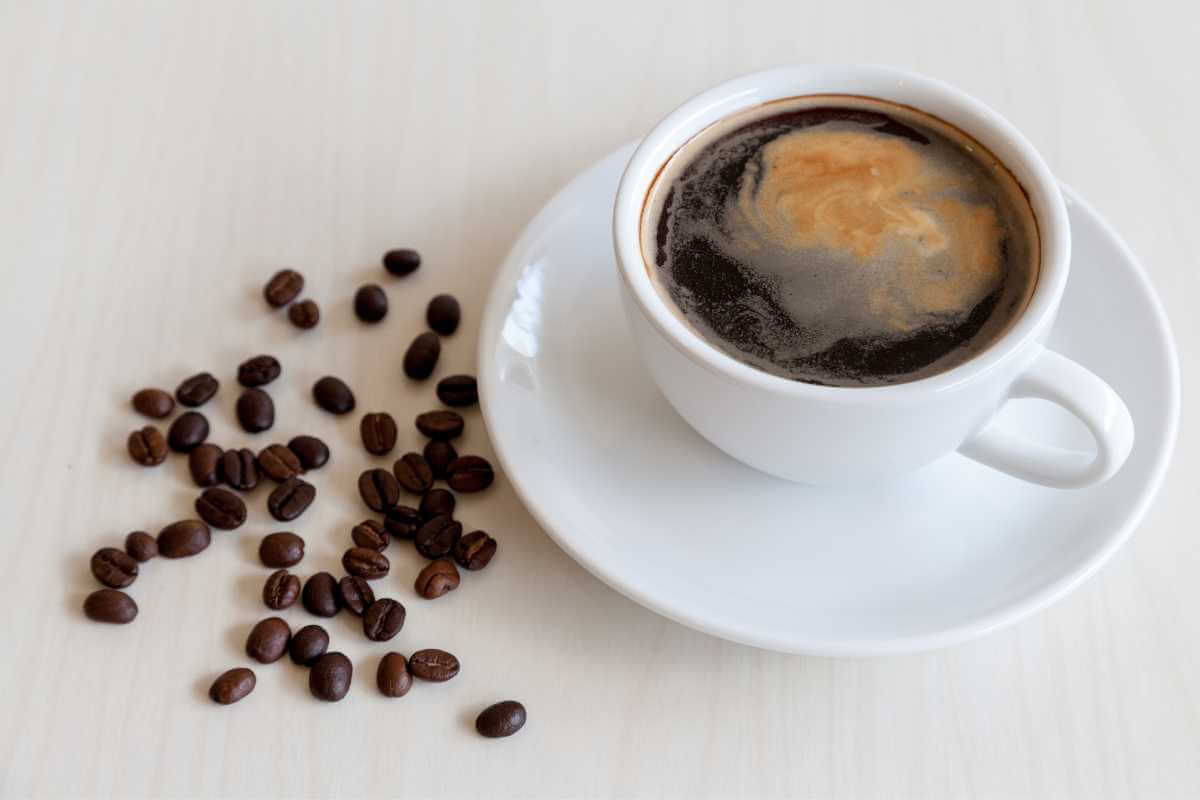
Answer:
(333, 395)
(440, 424)
(255, 411)
(364, 562)
(436, 579)
(474, 550)
(110, 605)
(393, 678)
(402, 261)
(321, 596)
(305, 314)
(438, 456)
(470, 474)
(501, 719)
(370, 303)
(422, 355)
(197, 390)
(281, 590)
(458, 390)
(184, 538)
(370, 533)
(147, 446)
(308, 644)
(383, 620)
(141, 546)
(221, 508)
(378, 433)
(205, 464)
(283, 549)
(438, 537)
(258, 371)
(402, 522)
(443, 314)
(153, 403)
(310, 451)
(278, 463)
(436, 503)
(379, 489)
(357, 595)
(330, 676)
(232, 685)
(433, 665)
(187, 432)
(239, 469)
(290, 498)
(413, 473)
(268, 640)
(114, 568)
(283, 287)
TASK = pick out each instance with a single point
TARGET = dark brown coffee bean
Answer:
(440, 424)
(305, 314)
(364, 562)
(147, 446)
(320, 596)
(283, 287)
(378, 432)
(205, 464)
(402, 261)
(110, 605)
(221, 508)
(383, 620)
(310, 451)
(290, 498)
(436, 503)
(308, 644)
(258, 371)
(402, 522)
(393, 678)
(114, 568)
(370, 533)
(436, 579)
(141, 546)
(268, 640)
(255, 411)
(433, 665)
(470, 474)
(197, 390)
(154, 403)
(502, 719)
(278, 463)
(281, 590)
(333, 395)
(187, 432)
(413, 473)
(184, 538)
(421, 356)
(357, 595)
(379, 489)
(443, 314)
(330, 676)
(370, 303)
(458, 391)
(474, 550)
(438, 537)
(438, 456)
(239, 469)
(232, 685)
(282, 549)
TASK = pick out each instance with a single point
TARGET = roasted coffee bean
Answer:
(470, 474)
(436, 503)
(330, 676)
(290, 498)
(440, 424)
(501, 719)
(232, 685)
(205, 464)
(401, 261)
(278, 463)
(333, 395)
(357, 595)
(379, 489)
(110, 605)
(221, 508)
(187, 432)
(147, 446)
(239, 469)
(153, 403)
(281, 590)
(393, 678)
(443, 314)
(436, 579)
(197, 390)
(282, 549)
(474, 550)
(438, 537)
(308, 644)
(378, 431)
(258, 371)
(413, 473)
(268, 640)
(305, 314)
(255, 411)
(320, 596)
(438, 456)
(364, 562)
(114, 568)
(402, 522)
(433, 665)
(383, 619)
(422, 355)
(283, 287)
(310, 451)
(458, 390)
(370, 303)
(184, 538)
(141, 546)
(370, 533)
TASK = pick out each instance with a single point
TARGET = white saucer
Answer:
(635, 496)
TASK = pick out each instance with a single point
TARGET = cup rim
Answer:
(783, 82)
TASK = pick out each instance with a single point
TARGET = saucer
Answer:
(949, 552)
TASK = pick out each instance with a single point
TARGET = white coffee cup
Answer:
(838, 435)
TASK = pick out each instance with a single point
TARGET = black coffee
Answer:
(841, 240)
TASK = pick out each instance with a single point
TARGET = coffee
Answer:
(841, 240)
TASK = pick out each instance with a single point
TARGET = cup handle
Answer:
(1060, 380)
